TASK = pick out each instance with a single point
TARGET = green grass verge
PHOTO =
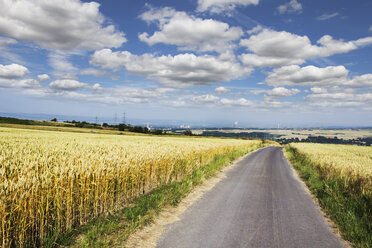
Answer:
(351, 212)
(115, 229)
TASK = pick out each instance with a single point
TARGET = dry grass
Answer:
(71, 129)
(51, 182)
(352, 164)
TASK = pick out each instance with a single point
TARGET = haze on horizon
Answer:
(257, 62)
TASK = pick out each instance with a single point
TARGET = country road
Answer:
(260, 203)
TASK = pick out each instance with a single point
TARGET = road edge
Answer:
(149, 235)
(333, 227)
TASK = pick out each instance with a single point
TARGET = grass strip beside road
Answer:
(350, 211)
(115, 229)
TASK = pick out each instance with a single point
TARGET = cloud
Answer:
(62, 25)
(273, 48)
(221, 89)
(255, 92)
(279, 92)
(236, 102)
(255, 30)
(135, 94)
(363, 41)
(60, 63)
(182, 70)
(218, 6)
(327, 16)
(339, 97)
(264, 61)
(307, 76)
(188, 32)
(65, 75)
(43, 77)
(83, 92)
(245, 103)
(360, 81)
(158, 15)
(205, 99)
(5, 42)
(97, 73)
(318, 90)
(5, 53)
(331, 46)
(317, 78)
(290, 7)
(67, 84)
(12, 71)
(19, 83)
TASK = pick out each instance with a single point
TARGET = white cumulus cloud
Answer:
(205, 99)
(279, 92)
(43, 77)
(360, 81)
(67, 84)
(339, 97)
(236, 102)
(273, 48)
(60, 24)
(307, 76)
(157, 15)
(318, 90)
(221, 89)
(290, 7)
(218, 6)
(189, 32)
(181, 70)
(27, 83)
(12, 71)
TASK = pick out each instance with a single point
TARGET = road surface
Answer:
(260, 203)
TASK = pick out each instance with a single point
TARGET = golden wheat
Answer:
(352, 164)
(53, 181)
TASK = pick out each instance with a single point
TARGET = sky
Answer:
(260, 63)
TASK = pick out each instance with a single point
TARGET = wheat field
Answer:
(51, 182)
(353, 164)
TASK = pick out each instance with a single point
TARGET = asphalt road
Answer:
(259, 204)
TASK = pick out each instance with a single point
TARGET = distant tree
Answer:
(79, 124)
(54, 119)
(188, 133)
(105, 124)
(138, 129)
(122, 127)
(157, 131)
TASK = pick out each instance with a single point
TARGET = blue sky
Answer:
(212, 62)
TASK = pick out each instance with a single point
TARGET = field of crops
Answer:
(51, 182)
(352, 164)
